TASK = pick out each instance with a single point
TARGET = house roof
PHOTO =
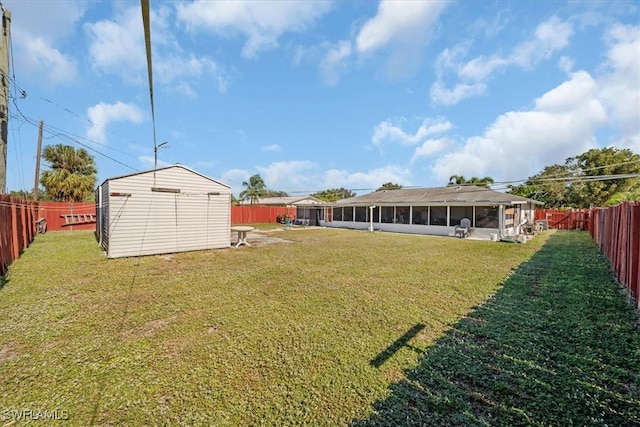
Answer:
(450, 195)
(164, 168)
(286, 201)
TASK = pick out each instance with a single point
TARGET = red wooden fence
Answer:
(54, 213)
(564, 219)
(17, 228)
(258, 214)
(617, 231)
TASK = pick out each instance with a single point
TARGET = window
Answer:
(376, 214)
(459, 212)
(361, 214)
(403, 215)
(438, 215)
(387, 214)
(347, 213)
(486, 217)
(337, 214)
(421, 215)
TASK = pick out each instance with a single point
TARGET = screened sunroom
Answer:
(435, 211)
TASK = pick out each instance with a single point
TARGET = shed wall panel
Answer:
(147, 222)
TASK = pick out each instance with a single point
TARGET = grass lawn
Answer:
(337, 327)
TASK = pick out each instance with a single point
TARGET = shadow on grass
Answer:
(557, 345)
(403, 341)
(3, 281)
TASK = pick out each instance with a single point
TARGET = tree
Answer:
(599, 172)
(480, 182)
(72, 176)
(598, 177)
(457, 180)
(274, 193)
(254, 189)
(333, 194)
(551, 186)
(389, 186)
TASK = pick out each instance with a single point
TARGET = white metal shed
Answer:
(166, 210)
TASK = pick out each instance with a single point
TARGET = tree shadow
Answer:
(557, 345)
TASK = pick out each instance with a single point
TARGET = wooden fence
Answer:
(617, 231)
(258, 214)
(17, 229)
(564, 219)
(68, 216)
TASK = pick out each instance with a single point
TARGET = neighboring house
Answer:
(435, 211)
(167, 210)
(305, 208)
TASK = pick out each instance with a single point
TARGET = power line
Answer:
(71, 138)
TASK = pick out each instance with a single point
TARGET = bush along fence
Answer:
(17, 228)
(616, 230)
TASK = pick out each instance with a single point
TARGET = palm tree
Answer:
(253, 189)
(72, 177)
(457, 180)
(480, 182)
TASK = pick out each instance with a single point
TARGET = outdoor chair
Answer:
(463, 229)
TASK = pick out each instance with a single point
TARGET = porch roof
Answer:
(450, 195)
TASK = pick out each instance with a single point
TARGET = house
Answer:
(305, 209)
(166, 210)
(435, 211)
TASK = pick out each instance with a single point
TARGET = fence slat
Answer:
(17, 229)
(616, 230)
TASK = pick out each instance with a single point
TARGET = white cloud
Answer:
(102, 115)
(398, 21)
(549, 38)
(443, 96)
(619, 87)
(565, 64)
(117, 47)
(36, 39)
(520, 143)
(262, 23)
(334, 62)
(372, 179)
(432, 147)
(283, 176)
(272, 148)
(386, 131)
(40, 58)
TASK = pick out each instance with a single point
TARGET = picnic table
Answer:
(242, 231)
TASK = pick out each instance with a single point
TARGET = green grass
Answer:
(336, 327)
(557, 345)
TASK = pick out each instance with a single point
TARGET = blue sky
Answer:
(320, 94)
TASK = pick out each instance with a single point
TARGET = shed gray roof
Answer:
(166, 167)
(450, 195)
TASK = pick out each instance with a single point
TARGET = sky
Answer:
(315, 95)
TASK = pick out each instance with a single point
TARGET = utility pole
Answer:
(4, 96)
(37, 182)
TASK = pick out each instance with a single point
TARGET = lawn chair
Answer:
(463, 229)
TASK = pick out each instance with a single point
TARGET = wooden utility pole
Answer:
(36, 184)
(4, 96)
